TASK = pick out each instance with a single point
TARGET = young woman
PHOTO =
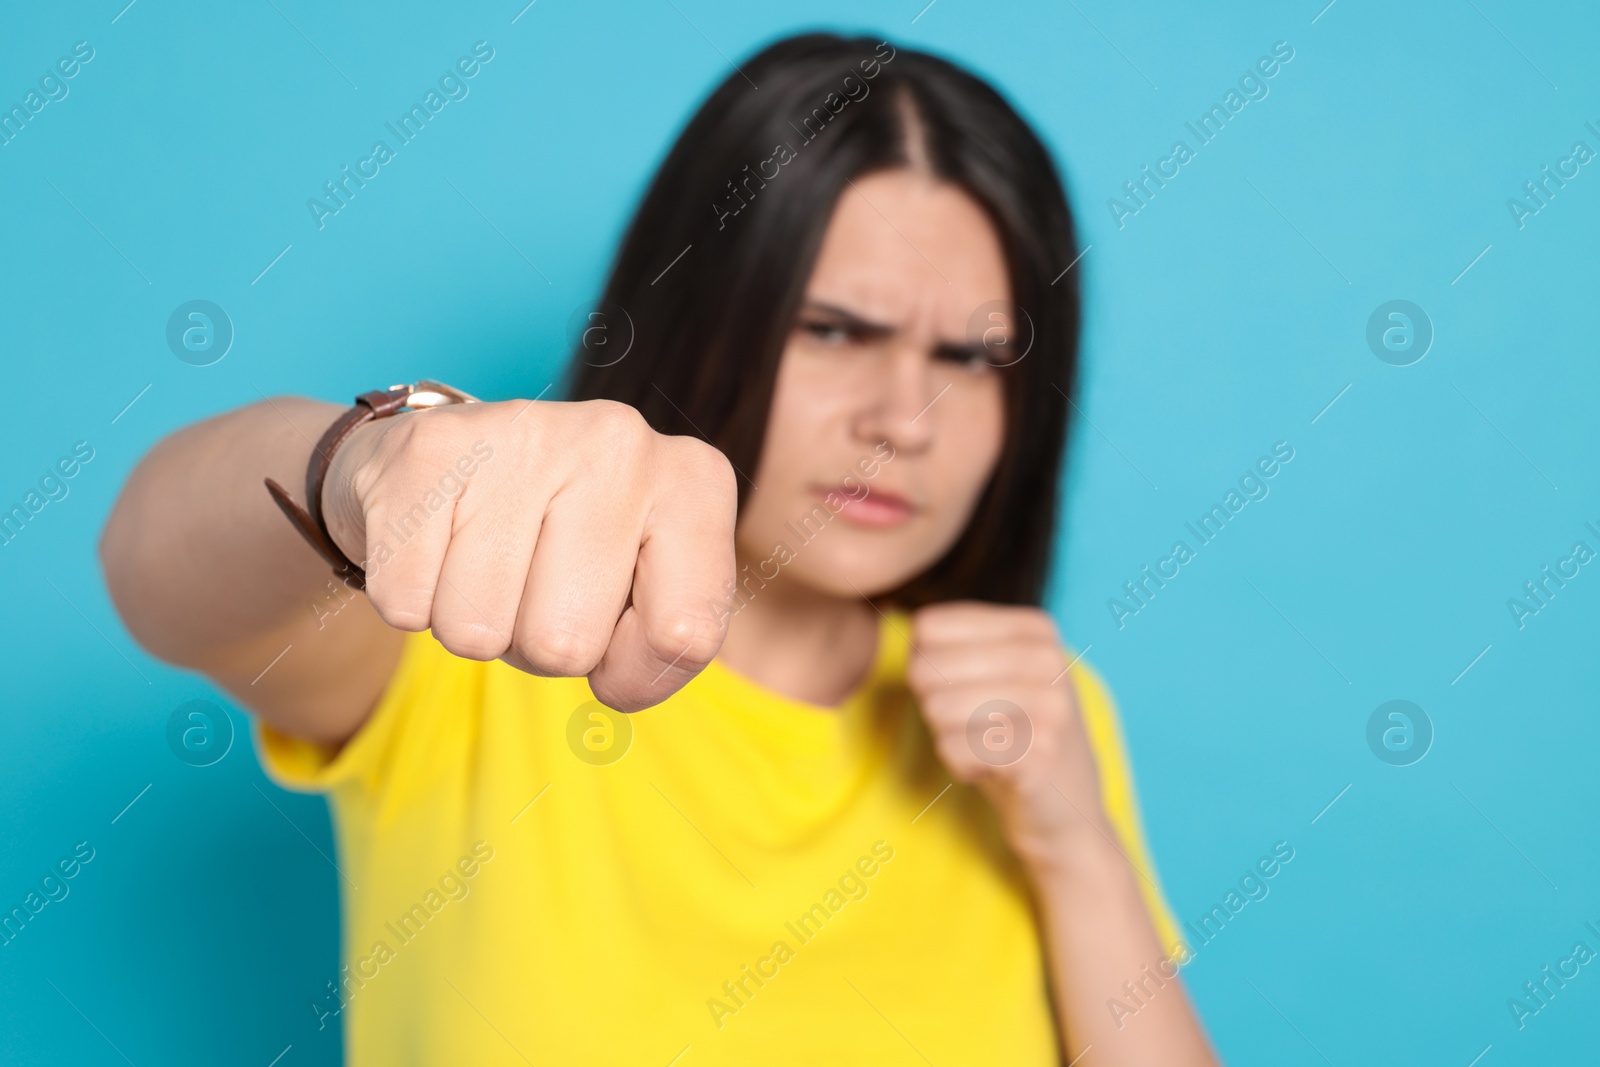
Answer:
(796, 512)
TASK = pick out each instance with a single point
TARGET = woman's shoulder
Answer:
(1097, 709)
(1090, 687)
(427, 676)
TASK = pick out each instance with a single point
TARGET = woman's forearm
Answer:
(208, 574)
(1117, 999)
(196, 555)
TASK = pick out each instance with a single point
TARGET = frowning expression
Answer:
(887, 418)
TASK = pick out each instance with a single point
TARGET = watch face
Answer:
(428, 393)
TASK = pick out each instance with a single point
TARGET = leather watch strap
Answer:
(309, 520)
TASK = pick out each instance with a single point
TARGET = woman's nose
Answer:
(901, 404)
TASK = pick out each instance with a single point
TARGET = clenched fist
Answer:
(993, 687)
(567, 539)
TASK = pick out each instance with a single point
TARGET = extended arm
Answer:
(565, 538)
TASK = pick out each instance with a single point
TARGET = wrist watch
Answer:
(378, 404)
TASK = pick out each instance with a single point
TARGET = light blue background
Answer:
(1222, 318)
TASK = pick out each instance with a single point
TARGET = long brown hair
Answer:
(711, 273)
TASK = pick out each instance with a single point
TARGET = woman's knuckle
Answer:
(684, 637)
(400, 608)
(471, 640)
(560, 651)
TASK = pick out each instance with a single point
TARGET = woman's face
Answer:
(887, 417)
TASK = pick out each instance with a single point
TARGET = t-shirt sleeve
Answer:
(1120, 799)
(424, 713)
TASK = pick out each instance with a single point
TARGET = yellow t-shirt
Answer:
(754, 880)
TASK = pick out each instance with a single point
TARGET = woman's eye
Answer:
(829, 333)
(972, 357)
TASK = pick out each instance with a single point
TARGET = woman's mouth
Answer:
(864, 506)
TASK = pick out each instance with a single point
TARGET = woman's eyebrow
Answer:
(958, 350)
(848, 319)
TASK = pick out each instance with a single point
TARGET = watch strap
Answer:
(309, 520)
